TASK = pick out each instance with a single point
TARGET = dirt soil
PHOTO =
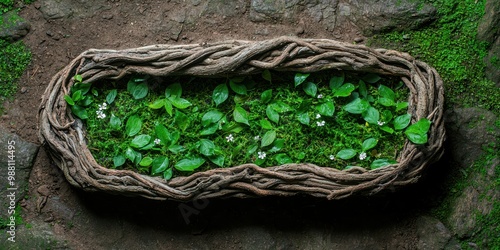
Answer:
(80, 220)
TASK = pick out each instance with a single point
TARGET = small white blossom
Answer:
(318, 116)
(230, 138)
(261, 155)
(332, 157)
(362, 156)
(380, 123)
(100, 114)
(320, 123)
(256, 138)
(320, 96)
(157, 141)
(103, 106)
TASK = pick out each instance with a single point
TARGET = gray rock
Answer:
(378, 16)
(20, 157)
(492, 61)
(227, 8)
(13, 27)
(55, 9)
(431, 233)
(489, 26)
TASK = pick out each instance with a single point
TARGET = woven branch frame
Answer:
(63, 135)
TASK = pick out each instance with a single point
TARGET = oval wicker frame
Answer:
(64, 135)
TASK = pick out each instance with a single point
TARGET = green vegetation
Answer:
(14, 58)
(8, 5)
(450, 45)
(325, 119)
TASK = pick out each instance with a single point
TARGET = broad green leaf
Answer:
(266, 74)
(217, 160)
(176, 149)
(173, 90)
(189, 164)
(211, 117)
(83, 87)
(163, 134)
(272, 114)
(386, 92)
(78, 78)
(115, 122)
(131, 85)
(344, 90)
(79, 111)
(401, 105)
(140, 141)
(118, 160)
(363, 91)
(133, 125)
(281, 107)
(209, 130)
(417, 132)
(220, 94)
(387, 129)
(417, 138)
(300, 78)
(277, 145)
(386, 116)
(357, 106)
(159, 165)
(371, 115)
(167, 175)
(283, 159)
(310, 88)
(77, 96)
(110, 98)
(266, 96)
(130, 154)
(386, 101)
(402, 121)
(86, 101)
(238, 88)
(140, 91)
(369, 144)
(265, 124)
(326, 109)
(207, 147)
(268, 138)
(336, 82)
(159, 103)
(240, 115)
(69, 100)
(148, 146)
(381, 163)
(179, 103)
(175, 135)
(303, 118)
(168, 107)
(346, 154)
(371, 78)
(252, 149)
(146, 161)
(232, 128)
(181, 120)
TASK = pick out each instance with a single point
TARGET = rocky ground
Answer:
(57, 216)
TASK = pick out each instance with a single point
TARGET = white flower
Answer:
(230, 138)
(100, 114)
(380, 123)
(103, 106)
(256, 138)
(332, 157)
(362, 156)
(261, 154)
(318, 116)
(157, 141)
(320, 96)
(320, 124)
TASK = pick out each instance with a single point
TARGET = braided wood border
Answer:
(63, 135)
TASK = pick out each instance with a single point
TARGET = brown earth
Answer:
(79, 220)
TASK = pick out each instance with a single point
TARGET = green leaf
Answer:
(131, 154)
(189, 164)
(240, 115)
(168, 107)
(371, 78)
(252, 149)
(207, 147)
(69, 100)
(277, 145)
(118, 160)
(173, 90)
(303, 118)
(140, 141)
(79, 111)
(159, 103)
(300, 78)
(167, 175)
(179, 103)
(110, 98)
(344, 90)
(238, 88)
(363, 91)
(272, 114)
(83, 87)
(94, 92)
(326, 109)
(301, 156)
(346, 154)
(217, 160)
(387, 129)
(159, 165)
(266, 96)
(417, 132)
(386, 92)
(211, 117)
(265, 124)
(77, 96)
(381, 163)
(336, 82)
(283, 159)
(401, 105)
(181, 120)
(386, 101)
(371, 115)
(209, 130)
(369, 144)
(232, 128)
(140, 91)
(280, 107)
(163, 134)
(146, 161)
(357, 106)
(133, 125)
(220, 94)
(86, 101)
(268, 138)
(386, 115)
(266, 74)
(115, 122)
(78, 78)
(310, 89)
(402, 121)
(176, 148)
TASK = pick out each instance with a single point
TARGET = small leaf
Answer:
(369, 144)
(118, 160)
(140, 141)
(401, 105)
(173, 90)
(283, 159)
(265, 124)
(110, 98)
(209, 130)
(371, 115)
(69, 100)
(163, 134)
(140, 91)
(280, 107)
(133, 125)
(303, 118)
(159, 165)
(386, 101)
(181, 120)
(346, 154)
(168, 107)
(238, 88)
(252, 149)
(371, 78)
(326, 109)
(277, 145)
(417, 132)
(220, 94)
(300, 78)
(310, 89)
(363, 91)
(78, 78)
(266, 74)
(79, 111)
(94, 92)
(130, 154)
(386, 92)
(272, 114)
(268, 138)
(240, 115)
(77, 96)
(387, 129)
(167, 175)
(217, 160)
(189, 164)
(344, 90)
(402, 121)
(115, 122)
(232, 128)
(146, 161)
(336, 82)
(266, 96)
(207, 147)
(159, 103)
(381, 163)
(357, 106)
(179, 103)
(176, 149)
(211, 117)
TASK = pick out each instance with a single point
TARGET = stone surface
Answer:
(489, 26)
(21, 156)
(228, 8)
(432, 234)
(55, 9)
(492, 61)
(13, 27)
